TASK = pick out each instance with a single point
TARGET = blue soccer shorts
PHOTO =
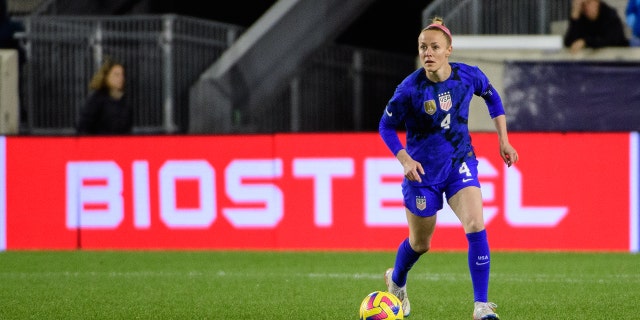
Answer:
(425, 201)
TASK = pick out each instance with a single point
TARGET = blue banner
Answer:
(572, 96)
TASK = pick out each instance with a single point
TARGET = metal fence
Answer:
(498, 16)
(340, 89)
(165, 55)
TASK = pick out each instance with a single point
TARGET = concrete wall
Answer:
(9, 96)
(492, 63)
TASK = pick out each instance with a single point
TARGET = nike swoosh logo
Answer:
(481, 263)
(388, 113)
(467, 180)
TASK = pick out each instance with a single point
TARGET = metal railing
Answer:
(165, 55)
(498, 16)
(162, 55)
(339, 89)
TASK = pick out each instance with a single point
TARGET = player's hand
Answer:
(412, 169)
(577, 46)
(576, 9)
(508, 154)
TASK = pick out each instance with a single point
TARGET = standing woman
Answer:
(106, 111)
(432, 105)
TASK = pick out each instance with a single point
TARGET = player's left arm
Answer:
(496, 111)
(507, 152)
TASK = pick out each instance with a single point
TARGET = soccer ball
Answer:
(381, 305)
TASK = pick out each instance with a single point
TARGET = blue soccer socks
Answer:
(479, 264)
(405, 259)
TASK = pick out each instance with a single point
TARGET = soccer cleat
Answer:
(485, 310)
(400, 292)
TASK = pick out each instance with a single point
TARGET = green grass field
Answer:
(306, 285)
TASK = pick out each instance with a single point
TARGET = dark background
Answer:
(387, 25)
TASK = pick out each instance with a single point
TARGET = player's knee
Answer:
(474, 226)
(421, 247)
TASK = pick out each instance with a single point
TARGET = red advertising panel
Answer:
(301, 192)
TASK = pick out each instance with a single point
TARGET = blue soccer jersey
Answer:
(435, 116)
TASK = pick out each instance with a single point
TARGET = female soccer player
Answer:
(432, 104)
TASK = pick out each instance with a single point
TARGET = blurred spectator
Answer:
(594, 24)
(633, 21)
(106, 111)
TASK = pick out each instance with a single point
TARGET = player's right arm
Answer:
(392, 118)
(412, 169)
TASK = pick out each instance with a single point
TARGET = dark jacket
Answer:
(103, 115)
(606, 31)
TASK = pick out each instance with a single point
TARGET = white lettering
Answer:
(141, 205)
(3, 194)
(376, 191)
(518, 215)
(94, 192)
(323, 170)
(94, 195)
(246, 193)
(170, 214)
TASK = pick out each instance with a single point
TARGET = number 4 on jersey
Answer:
(446, 122)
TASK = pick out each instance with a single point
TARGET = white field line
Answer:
(428, 277)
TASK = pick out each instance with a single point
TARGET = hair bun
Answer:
(438, 20)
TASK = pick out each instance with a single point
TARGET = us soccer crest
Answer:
(430, 107)
(445, 101)
(421, 202)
